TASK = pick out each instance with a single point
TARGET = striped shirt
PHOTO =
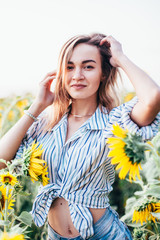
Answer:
(79, 169)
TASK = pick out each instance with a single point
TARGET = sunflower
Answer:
(138, 233)
(3, 198)
(11, 115)
(33, 162)
(127, 150)
(43, 177)
(5, 236)
(143, 213)
(22, 103)
(129, 96)
(8, 179)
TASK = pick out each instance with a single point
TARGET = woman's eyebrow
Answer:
(83, 62)
(90, 60)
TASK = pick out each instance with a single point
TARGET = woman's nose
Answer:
(77, 74)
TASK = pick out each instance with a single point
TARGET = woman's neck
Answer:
(83, 108)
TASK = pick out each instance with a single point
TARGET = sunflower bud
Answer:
(139, 234)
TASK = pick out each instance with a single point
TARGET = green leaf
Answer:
(139, 193)
(154, 182)
(17, 229)
(150, 169)
(134, 225)
(4, 223)
(22, 193)
(25, 218)
(153, 191)
(154, 237)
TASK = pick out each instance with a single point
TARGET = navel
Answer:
(69, 231)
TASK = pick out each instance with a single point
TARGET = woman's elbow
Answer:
(153, 101)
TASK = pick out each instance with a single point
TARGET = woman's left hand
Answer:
(115, 48)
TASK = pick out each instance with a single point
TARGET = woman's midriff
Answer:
(60, 220)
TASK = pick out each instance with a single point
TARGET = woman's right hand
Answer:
(115, 48)
(45, 96)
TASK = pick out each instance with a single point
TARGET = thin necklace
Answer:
(80, 116)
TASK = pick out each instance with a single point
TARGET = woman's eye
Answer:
(69, 67)
(89, 67)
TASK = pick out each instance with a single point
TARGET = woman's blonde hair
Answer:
(107, 95)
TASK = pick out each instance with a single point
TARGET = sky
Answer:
(32, 33)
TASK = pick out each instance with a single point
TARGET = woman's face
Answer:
(83, 73)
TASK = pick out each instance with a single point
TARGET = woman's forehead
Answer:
(84, 52)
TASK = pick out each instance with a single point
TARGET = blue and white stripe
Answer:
(79, 169)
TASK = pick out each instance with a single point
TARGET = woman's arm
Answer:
(147, 90)
(11, 141)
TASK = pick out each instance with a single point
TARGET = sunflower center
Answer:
(7, 179)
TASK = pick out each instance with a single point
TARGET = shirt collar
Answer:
(98, 119)
(96, 122)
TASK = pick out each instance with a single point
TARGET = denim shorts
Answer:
(108, 227)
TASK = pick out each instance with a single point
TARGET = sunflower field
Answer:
(137, 184)
(18, 181)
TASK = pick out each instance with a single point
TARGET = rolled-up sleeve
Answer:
(121, 115)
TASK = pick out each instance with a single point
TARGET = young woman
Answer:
(74, 131)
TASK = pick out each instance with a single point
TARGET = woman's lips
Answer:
(78, 86)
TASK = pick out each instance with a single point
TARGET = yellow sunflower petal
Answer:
(37, 160)
(33, 175)
(36, 166)
(5, 236)
(123, 172)
(112, 140)
(119, 145)
(37, 153)
(138, 174)
(132, 173)
(36, 171)
(124, 163)
(115, 160)
(117, 152)
(118, 131)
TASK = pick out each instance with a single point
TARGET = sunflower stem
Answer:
(6, 208)
(18, 203)
(147, 230)
(156, 228)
